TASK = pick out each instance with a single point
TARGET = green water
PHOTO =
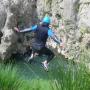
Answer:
(36, 70)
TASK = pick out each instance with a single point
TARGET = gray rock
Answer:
(73, 14)
(13, 13)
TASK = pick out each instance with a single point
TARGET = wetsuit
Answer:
(41, 34)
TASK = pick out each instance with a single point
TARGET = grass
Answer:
(71, 77)
(63, 75)
(9, 80)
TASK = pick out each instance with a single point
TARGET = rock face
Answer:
(84, 14)
(64, 12)
(15, 13)
(75, 16)
(70, 21)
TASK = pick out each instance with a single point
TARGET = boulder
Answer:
(15, 13)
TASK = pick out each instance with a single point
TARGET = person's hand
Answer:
(61, 45)
(16, 29)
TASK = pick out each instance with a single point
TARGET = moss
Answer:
(84, 30)
(48, 2)
(77, 6)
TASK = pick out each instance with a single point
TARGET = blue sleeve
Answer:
(50, 32)
(53, 36)
(33, 28)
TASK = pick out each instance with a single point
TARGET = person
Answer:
(42, 32)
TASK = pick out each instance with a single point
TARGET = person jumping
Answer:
(42, 32)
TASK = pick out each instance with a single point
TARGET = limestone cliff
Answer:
(73, 15)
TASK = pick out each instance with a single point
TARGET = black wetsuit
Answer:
(39, 42)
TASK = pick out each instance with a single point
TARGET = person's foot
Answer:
(30, 58)
(45, 65)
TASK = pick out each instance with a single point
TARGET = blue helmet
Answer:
(46, 19)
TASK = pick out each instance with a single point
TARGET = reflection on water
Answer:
(35, 69)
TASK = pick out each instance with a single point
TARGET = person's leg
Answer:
(33, 55)
(49, 55)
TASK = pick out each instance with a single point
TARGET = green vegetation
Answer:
(63, 75)
(84, 30)
(9, 79)
(48, 2)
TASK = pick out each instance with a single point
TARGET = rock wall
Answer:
(63, 12)
(20, 13)
(84, 14)
(70, 21)
(75, 16)
(84, 24)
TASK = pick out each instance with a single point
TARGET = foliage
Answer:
(71, 77)
(48, 2)
(9, 80)
(84, 30)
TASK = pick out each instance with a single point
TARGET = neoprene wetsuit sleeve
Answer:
(33, 28)
(53, 36)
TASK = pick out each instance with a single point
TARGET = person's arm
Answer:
(33, 28)
(53, 36)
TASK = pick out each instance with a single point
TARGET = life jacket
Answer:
(41, 35)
